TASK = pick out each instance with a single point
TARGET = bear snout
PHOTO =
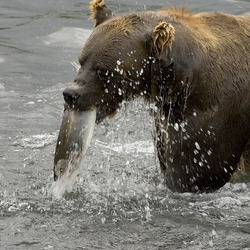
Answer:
(71, 96)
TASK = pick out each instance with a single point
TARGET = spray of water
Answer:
(66, 182)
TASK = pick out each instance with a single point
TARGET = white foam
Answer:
(66, 182)
(145, 147)
(37, 141)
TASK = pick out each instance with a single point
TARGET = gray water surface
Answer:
(118, 200)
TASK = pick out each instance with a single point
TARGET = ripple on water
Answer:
(68, 37)
(36, 141)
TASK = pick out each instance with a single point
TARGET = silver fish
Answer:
(73, 141)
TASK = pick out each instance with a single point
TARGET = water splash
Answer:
(36, 141)
(66, 182)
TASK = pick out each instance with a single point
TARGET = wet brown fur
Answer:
(196, 64)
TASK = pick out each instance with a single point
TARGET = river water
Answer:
(118, 200)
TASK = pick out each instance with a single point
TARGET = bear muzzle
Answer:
(81, 97)
(71, 96)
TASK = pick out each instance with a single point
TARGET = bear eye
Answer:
(103, 74)
(99, 73)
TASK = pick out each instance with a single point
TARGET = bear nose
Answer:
(70, 96)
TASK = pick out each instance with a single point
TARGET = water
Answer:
(118, 200)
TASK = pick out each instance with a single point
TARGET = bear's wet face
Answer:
(110, 70)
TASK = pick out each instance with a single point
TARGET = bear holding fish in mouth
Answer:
(195, 69)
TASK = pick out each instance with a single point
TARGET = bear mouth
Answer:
(103, 112)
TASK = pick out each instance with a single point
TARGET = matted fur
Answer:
(163, 36)
(99, 11)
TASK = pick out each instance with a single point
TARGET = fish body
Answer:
(73, 141)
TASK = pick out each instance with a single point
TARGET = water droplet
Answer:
(196, 152)
(197, 146)
(119, 91)
(214, 234)
(176, 127)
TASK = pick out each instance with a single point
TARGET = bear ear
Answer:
(99, 11)
(163, 37)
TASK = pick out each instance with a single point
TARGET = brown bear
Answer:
(195, 68)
